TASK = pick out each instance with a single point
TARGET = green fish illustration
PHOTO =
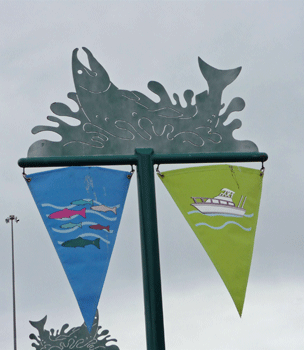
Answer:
(81, 242)
(71, 225)
(82, 202)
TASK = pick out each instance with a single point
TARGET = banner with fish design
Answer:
(221, 204)
(81, 208)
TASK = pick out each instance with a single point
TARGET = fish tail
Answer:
(107, 228)
(39, 325)
(92, 202)
(96, 242)
(222, 77)
(83, 212)
(80, 224)
(115, 210)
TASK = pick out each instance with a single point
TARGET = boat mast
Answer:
(244, 202)
(240, 202)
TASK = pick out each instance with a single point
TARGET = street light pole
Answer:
(12, 218)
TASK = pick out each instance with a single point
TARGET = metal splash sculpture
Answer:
(75, 338)
(115, 121)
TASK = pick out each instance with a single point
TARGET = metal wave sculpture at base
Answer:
(114, 121)
(75, 338)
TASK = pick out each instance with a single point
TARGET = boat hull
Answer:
(218, 209)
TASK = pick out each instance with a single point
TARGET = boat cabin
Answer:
(215, 201)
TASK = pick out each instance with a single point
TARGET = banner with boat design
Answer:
(81, 208)
(221, 204)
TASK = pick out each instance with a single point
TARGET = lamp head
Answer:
(11, 217)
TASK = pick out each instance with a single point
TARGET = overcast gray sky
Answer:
(157, 40)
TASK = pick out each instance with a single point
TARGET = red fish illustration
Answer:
(100, 227)
(67, 213)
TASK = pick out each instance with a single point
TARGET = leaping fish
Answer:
(81, 242)
(71, 225)
(82, 202)
(67, 213)
(104, 208)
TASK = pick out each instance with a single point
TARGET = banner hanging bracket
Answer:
(158, 171)
(129, 176)
(262, 170)
(27, 179)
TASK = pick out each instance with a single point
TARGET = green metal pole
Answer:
(150, 251)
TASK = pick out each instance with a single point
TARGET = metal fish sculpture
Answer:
(108, 113)
(39, 325)
(100, 227)
(73, 338)
(71, 225)
(82, 202)
(81, 242)
(67, 213)
(104, 208)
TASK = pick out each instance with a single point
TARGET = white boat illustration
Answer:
(221, 204)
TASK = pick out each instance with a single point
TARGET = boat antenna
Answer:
(240, 202)
(244, 202)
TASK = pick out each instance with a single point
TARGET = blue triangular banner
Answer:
(81, 208)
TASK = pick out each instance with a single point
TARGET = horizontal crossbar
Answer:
(38, 162)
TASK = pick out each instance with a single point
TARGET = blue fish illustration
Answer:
(81, 242)
(82, 202)
(71, 225)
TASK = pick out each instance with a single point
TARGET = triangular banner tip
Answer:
(221, 204)
(89, 323)
(88, 317)
(238, 298)
(89, 326)
(239, 309)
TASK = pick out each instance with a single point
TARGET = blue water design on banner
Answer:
(81, 208)
(225, 224)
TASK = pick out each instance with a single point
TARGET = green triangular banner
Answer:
(221, 204)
